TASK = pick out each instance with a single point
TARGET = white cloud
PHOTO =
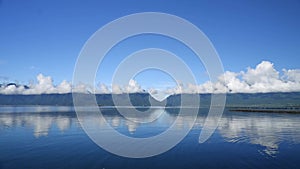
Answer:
(116, 89)
(263, 73)
(292, 75)
(64, 87)
(104, 89)
(133, 87)
(263, 78)
(12, 89)
(44, 85)
(80, 88)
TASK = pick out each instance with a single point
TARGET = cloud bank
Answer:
(261, 79)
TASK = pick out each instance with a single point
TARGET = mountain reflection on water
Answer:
(268, 130)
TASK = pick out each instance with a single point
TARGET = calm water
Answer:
(51, 137)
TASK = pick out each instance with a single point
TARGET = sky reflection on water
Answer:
(269, 133)
(267, 130)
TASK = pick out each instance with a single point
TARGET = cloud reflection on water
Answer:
(266, 130)
(41, 123)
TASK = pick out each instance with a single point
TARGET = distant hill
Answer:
(291, 99)
(42, 99)
(137, 99)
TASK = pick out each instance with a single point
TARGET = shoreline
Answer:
(290, 110)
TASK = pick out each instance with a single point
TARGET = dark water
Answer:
(51, 137)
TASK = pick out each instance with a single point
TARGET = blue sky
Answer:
(47, 36)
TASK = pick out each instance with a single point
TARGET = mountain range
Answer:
(290, 99)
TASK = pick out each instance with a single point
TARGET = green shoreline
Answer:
(290, 110)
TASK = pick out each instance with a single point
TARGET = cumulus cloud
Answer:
(116, 89)
(104, 89)
(12, 89)
(261, 79)
(131, 87)
(44, 85)
(291, 75)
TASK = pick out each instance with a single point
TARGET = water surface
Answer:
(51, 137)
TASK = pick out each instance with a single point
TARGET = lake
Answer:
(51, 137)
